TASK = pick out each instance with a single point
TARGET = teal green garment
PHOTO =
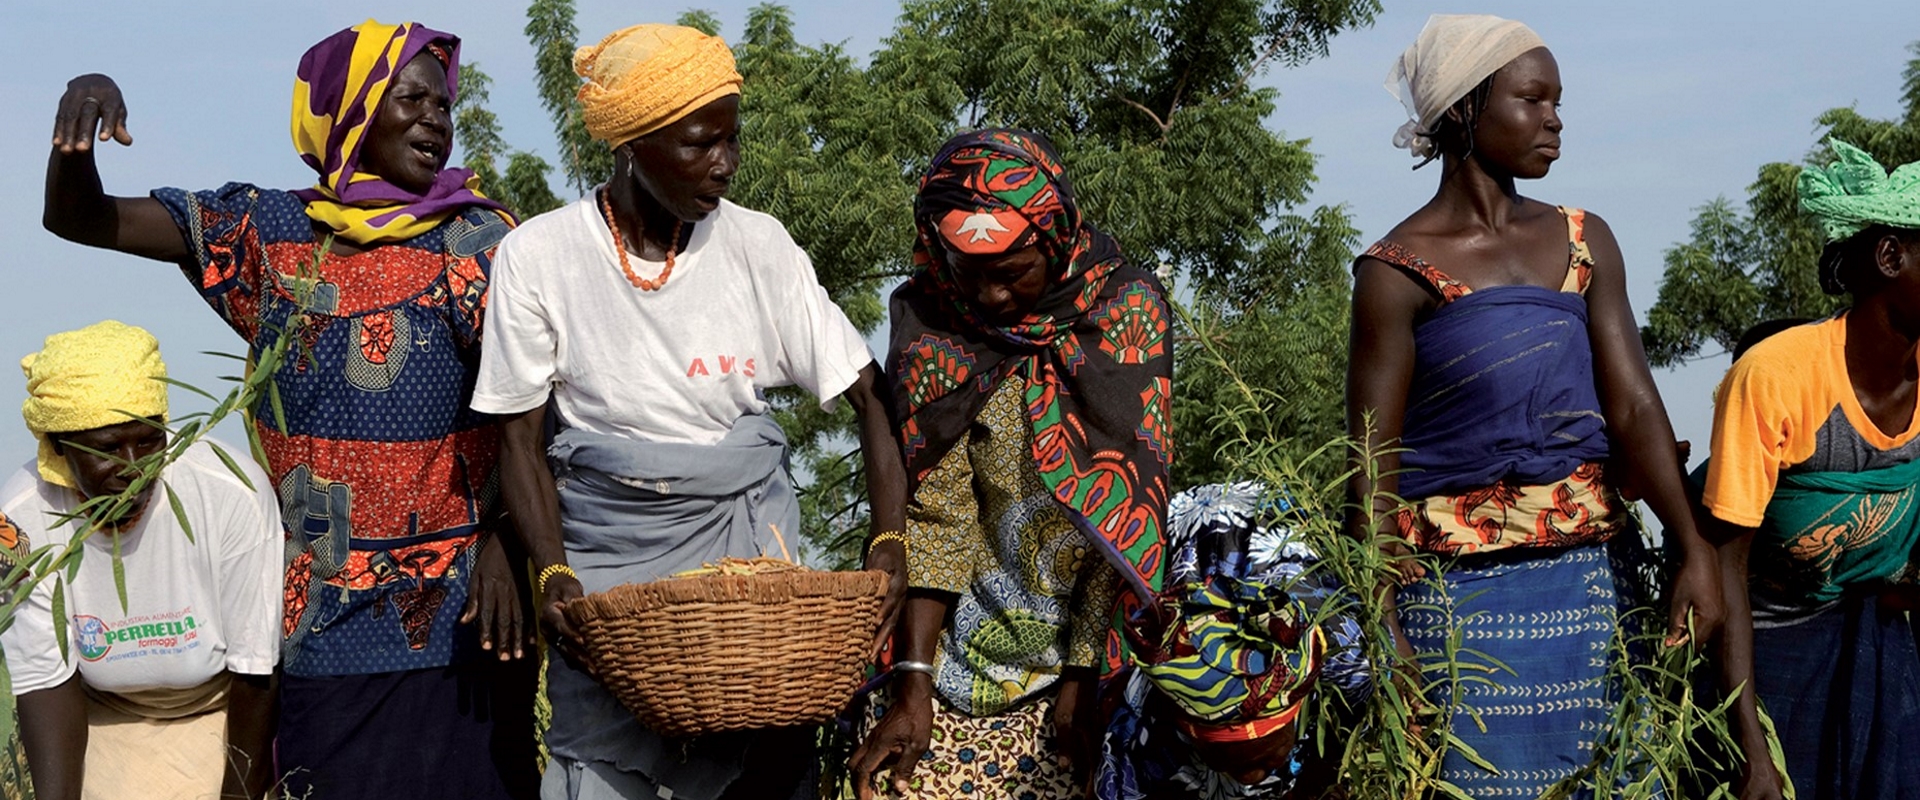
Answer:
(1826, 532)
(1855, 191)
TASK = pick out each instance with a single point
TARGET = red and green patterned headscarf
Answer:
(1096, 351)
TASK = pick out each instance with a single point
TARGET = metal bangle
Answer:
(915, 666)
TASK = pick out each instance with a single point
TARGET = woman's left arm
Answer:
(1637, 423)
(886, 490)
(252, 715)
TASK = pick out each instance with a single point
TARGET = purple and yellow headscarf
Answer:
(339, 87)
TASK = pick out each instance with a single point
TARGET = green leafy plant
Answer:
(1393, 745)
(1744, 266)
(60, 561)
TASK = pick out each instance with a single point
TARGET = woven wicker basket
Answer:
(767, 645)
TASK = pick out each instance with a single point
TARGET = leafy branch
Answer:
(60, 562)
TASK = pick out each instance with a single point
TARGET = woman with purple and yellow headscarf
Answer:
(1031, 367)
(385, 478)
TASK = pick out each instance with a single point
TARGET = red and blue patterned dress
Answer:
(384, 474)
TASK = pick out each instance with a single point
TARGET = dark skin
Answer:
(1003, 288)
(1481, 231)
(407, 143)
(53, 722)
(677, 175)
(1883, 366)
(673, 177)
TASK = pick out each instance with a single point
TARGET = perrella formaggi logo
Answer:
(156, 634)
(92, 634)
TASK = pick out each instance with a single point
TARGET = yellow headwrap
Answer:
(646, 77)
(86, 379)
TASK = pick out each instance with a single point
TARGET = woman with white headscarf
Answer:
(1494, 343)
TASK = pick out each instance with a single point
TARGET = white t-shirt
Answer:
(742, 312)
(193, 608)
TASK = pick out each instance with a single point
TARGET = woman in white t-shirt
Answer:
(168, 693)
(649, 319)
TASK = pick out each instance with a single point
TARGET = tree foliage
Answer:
(523, 188)
(1744, 266)
(1156, 108)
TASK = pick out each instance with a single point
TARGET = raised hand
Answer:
(91, 106)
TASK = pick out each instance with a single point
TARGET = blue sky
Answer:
(1668, 104)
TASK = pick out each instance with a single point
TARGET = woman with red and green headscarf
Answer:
(1031, 368)
(386, 479)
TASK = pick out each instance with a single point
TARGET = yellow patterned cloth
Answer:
(646, 77)
(1011, 755)
(1033, 594)
(1580, 509)
(90, 378)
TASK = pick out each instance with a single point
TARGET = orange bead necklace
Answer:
(620, 246)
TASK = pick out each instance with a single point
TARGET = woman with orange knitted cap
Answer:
(643, 324)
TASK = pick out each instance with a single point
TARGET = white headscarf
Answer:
(1454, 53)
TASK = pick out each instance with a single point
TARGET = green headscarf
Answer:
(1853, 193)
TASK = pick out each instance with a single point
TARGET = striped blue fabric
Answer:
(1550, 618)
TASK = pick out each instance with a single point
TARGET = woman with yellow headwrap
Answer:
(386, 478)
(1815, 479)
(650, 317)
(169, 694)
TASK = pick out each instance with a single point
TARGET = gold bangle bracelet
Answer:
(548, 573)
(887, 536)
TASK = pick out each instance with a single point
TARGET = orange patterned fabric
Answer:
(1581, 509)
(1398, 255)
(1579, 262)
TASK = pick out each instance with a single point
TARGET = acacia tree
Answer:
(1155, 107)
(523, 189)
(1741, 267)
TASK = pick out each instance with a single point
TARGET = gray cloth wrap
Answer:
(635, 511)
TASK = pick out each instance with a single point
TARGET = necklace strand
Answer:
(620, 246)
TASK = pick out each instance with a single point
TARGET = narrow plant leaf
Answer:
(179, 513)
(279, 411)
(119, 575)
(188, 386)
(60, 615)
(232, 466)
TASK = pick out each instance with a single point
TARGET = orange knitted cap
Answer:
(644, 78)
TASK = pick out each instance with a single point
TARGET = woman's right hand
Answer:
(91, 103)
(1406, 671)
(1760, 781)
(900, 739)
(562, 589)
(889, 557)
